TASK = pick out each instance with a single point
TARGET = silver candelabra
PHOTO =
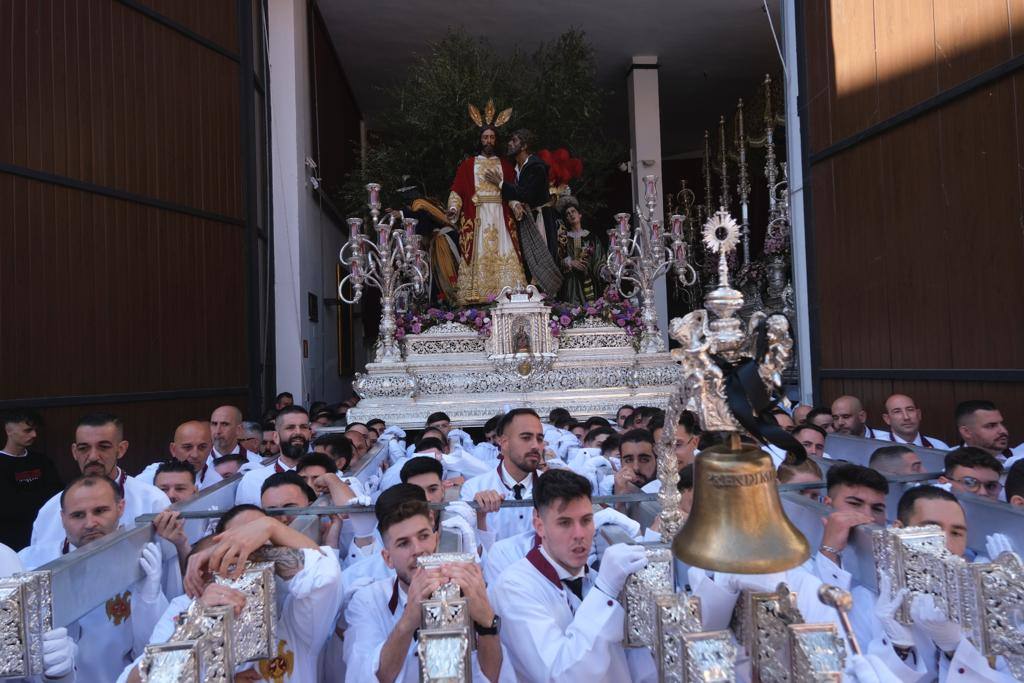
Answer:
(640, 256)
(388, 258)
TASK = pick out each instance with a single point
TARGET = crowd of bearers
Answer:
(543, 588)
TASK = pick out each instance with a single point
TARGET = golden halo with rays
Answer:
(721, 233)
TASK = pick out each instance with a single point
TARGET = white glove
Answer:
(396, 450)
(464, 529)
(393, 430)
(557, 464)
(868, 669)
(944, 633)
(151, 562)
(363, 523)
(612, 517)
(463, 510)
(460, 437)
(619, 561)
(885, 612)
(59, 652)
(759, 583)
(372, 482)
(997, 544)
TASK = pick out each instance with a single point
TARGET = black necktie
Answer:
(575, 585)
(517, 491)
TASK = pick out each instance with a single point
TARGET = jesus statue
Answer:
(487, 234)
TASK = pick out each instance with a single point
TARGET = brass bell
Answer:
(737, 523)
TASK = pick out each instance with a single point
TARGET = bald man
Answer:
(193, 443)
(849, 418)
(903, 418)
(226, 429)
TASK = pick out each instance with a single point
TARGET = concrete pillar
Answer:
(290, 111)
(645, 152)
(794, 153)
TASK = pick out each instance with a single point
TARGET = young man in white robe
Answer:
(521, 439)
(115, 632)
(559, 622)
(383, 617)
(308, 592)
(292, 434)
(99, 444)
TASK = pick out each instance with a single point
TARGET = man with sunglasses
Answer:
(974, 471)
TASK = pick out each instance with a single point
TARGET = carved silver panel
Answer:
(675, 614)
(999, 595)
(444, 656)
(254, 628)
(817, 653)
(445, 614)
(638, 596)
(14, 659)
(174, 662)
(708, 657)
(916, 558)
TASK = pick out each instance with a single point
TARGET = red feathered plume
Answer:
(561, 166)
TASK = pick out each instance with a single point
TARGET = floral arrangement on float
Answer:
(611, 307)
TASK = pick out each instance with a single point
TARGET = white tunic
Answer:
(550, 635)
(371, 616)
(506, 521)
(248, 490)
(507, 552)
(140, 498)
(111, 635)
(306, 617)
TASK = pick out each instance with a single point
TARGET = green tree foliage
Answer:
(425, 131)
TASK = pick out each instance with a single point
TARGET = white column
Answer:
(645, 152)
(290, 136)
(794, 153)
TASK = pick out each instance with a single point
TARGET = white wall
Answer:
(306, 244)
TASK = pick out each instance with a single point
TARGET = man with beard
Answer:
(487, 234)
(99, 444)
(292, 435)
(226, 429)
(27, 479)
(980, 425)
(192, 443)
(384, 616)
(560, 622)
(528, 197)
(639, 466)
(521, 439)
(849, 417)
(903, 418)
(112, 634)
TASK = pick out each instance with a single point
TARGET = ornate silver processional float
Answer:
(590, 368)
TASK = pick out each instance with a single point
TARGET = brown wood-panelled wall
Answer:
(914, 131)
(124, 218)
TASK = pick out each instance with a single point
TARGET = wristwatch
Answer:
(491, 630)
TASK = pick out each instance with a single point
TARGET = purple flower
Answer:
(417, 328)
(621, 322)
(564, 320)
(449, 316)
(591, 310)
(399, 333)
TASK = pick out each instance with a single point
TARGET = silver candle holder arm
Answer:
(638, 256)
(387, 257)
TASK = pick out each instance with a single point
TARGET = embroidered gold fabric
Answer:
(490, 271)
